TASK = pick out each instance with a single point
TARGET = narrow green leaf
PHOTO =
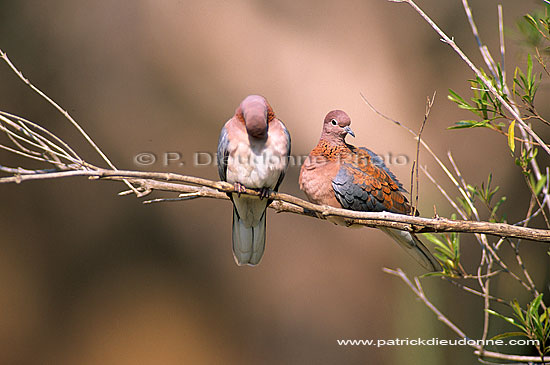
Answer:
(433, 274)
(497, 205)
(529, 68)
(453, 96)
(540, 184)
(534, 306)
(446, 252)
(507, 319)
(508, 334)
(511, 132)
(433, 239)
(532, 180)
(515, 81)
(468, 124)
(517, 309)
(530, 20)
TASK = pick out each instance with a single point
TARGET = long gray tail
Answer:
(248, 241)
(414, 247)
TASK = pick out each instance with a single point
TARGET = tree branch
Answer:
(149, 181)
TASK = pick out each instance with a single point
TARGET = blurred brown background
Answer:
(87, 277)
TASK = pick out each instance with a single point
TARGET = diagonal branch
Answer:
(446, 39)
(149, 181)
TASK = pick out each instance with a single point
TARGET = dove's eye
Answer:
(333, 122)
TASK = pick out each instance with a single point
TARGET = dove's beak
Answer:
(349, 131)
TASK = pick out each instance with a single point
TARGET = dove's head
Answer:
(256, 113)
(337, 126)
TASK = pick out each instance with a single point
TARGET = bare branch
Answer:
(417, 290)
(502, 44)
(475, 292)
(66, 114)
(292, 204)
(414, 169)
(521, 358)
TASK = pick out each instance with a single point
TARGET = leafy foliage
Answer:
(447, 251)
(489, 109)
(483, 104)
(535, 28)
(533, 323)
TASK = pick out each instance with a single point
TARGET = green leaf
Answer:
(439, 273)
(545, 314)
(468, 124)
(529, 68)
(533, 308)
(453, 96)
(433, 239)
(532, 180)
(507, 319)
(497, 205)
(445, 252)
(540, 184)
(515, 79)
(529, 19)
(511, 132)
(508, 334)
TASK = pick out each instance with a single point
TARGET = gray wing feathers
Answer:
(282, 176)
(223, 154)
(352, 195)
(414, 247)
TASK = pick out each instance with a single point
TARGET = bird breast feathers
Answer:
(256, 163)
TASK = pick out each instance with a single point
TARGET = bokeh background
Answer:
(87, 277)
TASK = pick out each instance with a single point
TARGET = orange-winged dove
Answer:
(344, 176)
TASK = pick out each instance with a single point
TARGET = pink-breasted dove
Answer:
(253, 152)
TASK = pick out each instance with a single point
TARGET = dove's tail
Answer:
(414, 247)
(248, 239)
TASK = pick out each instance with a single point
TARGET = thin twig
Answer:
(182, 197)
(486, 297)
(444, 193)
(502, 44)
(520, 262)
(483, 49)
(475, 292)
(429, 104)
(31, 125)
(417, 290)
(523, 359)
(66, 114)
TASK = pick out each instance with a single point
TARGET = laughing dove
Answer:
(344, 176)
(253, 152)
